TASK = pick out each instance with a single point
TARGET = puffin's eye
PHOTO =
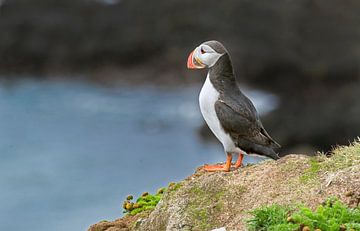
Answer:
(202, 51)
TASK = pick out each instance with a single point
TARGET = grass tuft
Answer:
(340, 158)
(145, 202)
(269, 218)
(333, 215)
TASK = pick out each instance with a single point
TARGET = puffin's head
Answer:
(205, 55)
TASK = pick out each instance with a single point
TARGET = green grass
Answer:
(312, 172)
(333, 215)
(269, 218)
(145, 202)
(330, 216)
(340, 158)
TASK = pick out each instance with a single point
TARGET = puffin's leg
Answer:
(220, 167)
(239, 160)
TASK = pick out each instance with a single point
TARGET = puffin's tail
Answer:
(273, 143)
(266, 151)
(259, 149)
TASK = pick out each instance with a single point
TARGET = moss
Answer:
(219, 207)
(203, 216)
(219, 195)
(241, 189)
(196, 190)
(200, 216)
(311, 173)
(205, 205)
(197, 208)
(144, 203)
(173, 187)
(289, 167)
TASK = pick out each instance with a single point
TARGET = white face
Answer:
(205, 55)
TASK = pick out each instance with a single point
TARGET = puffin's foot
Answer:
(216, 168)
(239, 161)
(220, 167)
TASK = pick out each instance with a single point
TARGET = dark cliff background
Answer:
(307, 52)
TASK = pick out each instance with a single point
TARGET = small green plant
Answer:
(145, 202)
(269, 218)
(331, 216)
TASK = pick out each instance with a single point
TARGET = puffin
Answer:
(230, 115)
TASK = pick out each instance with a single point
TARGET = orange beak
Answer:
(193, 65)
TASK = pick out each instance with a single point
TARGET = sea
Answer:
(71, 151)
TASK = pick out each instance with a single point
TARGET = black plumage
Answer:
(236, 113)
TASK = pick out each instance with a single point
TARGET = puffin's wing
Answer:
(243, 125)
(232, 121)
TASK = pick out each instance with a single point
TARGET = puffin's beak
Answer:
(194, 64)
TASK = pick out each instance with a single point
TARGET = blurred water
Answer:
(71, 152)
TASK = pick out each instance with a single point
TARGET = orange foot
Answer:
(220, 167)
(225, 167)
(216, 168)
(239, 161)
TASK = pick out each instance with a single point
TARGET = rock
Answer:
(349, 193)
(342, 228)
(220, 229)
(207, 201)
(144, 194)
(289, 219)
(118, 225)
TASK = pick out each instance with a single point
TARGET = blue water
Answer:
(71, 152)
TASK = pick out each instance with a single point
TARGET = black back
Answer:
(236, 112)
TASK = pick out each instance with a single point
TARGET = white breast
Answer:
(207, 98)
